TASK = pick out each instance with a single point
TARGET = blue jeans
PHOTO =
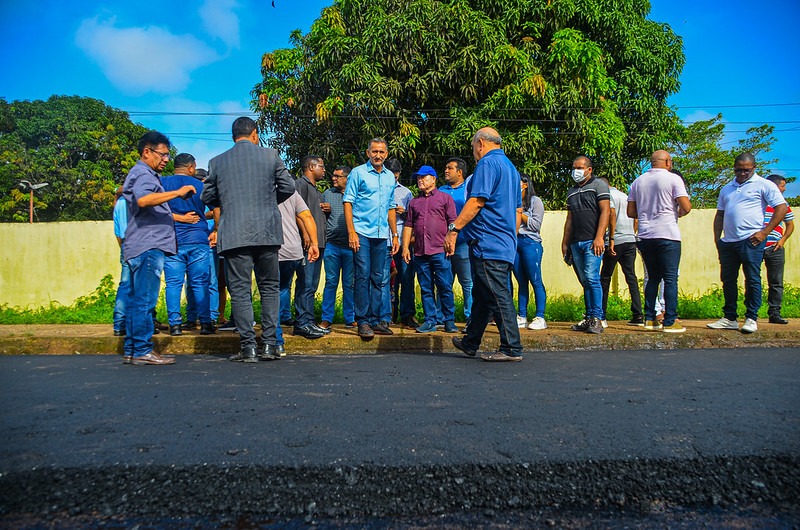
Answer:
(528, 269)
(386, 293)
(287, 271)
(662, 257)
(123, 291)
(492, 297)
(370, 279)
(587, 267)
(213, 291)
(460, 264)
(146, 269)
(338, 261)
(435, 269)
(305, 289)
(191, 262)
(732, 256)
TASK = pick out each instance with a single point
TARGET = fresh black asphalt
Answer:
(399, 434)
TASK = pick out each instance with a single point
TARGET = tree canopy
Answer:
(557, 78)
(80, 146)
(707, 166)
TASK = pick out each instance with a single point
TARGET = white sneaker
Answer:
(522, 322)
(724, 323)
(537, 323)
(604, 323)
(749, 325)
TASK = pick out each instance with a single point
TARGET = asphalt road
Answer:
(559, 428)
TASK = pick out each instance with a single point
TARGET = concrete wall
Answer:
(60, 262)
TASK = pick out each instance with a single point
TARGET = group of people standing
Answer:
(367, 228)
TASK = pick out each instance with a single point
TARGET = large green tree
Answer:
(557, 78)
(80, 146)
(707, 165)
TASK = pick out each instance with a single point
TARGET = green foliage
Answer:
(80, 146)
(707, 166)
(557, 78)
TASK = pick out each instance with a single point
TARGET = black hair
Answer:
(461, 165)
(308, 160)
(344, 169)
(151, 139)
(777, 179)
(745, 157)
(393, 165)
(531, 193)
(184, 160)
(243, 127)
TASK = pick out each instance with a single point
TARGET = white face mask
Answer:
(577, 175)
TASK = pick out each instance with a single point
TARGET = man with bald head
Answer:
(740, 235)
(489, 221)
(588, 210)
(657, 199)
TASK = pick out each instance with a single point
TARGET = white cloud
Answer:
(143, 59)
(220, 21)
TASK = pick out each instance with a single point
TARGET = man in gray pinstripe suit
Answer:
(247, 182)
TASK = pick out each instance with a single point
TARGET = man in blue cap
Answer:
(427, 219)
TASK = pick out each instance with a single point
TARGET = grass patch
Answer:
(98, 308)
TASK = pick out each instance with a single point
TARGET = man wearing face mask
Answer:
(588, 208)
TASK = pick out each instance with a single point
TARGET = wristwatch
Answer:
(452, 228)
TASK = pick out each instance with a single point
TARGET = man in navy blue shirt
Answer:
(192, 260)
(149, 236)
(489, 222)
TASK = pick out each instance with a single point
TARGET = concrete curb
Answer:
(99, 339)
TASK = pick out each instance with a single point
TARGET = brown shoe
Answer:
(365, 331)
(152, 358)
(382, 329)
(499, 356)
(325, 324)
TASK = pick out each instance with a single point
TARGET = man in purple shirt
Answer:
(149, 236)
(427, 219)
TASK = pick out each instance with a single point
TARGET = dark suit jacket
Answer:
(247, 182)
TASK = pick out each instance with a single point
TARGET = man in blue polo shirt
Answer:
(489, 221)
(149, 236)
(192, 260)
(369, 212)
(740, 234)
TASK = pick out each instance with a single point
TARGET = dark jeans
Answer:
(123, 291)
(369, 279)
(662, 258)
(305, 289)
(404, 303)
(748, 257)
(240, 264)
(491, 297)
(774, 261)
(435, 269)
(626, 257)
(287, 270)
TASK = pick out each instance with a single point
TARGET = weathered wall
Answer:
(60, 262)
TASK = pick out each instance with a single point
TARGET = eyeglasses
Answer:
(743, 171)
(165, 156)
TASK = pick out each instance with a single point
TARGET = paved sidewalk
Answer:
(98, 339)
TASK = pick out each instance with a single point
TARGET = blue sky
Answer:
(203, 56)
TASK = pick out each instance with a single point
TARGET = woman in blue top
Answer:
(528, 263)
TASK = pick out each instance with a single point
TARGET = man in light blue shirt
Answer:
(740, 217)
(369, 211)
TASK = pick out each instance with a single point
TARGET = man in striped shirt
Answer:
(774, 255)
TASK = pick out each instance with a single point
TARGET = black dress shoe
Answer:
(280, 351)
(324, 331)
(119, 332)
(160, 325)
(459, 343)
(246, 355)
(382, 329)
(207, 328)
(288, 323)
(270, 352)
(410, 322)
(175, 330)
(189, 326)
(309, 332)
(777, 319)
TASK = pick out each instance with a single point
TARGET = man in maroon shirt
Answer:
(427, 219)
